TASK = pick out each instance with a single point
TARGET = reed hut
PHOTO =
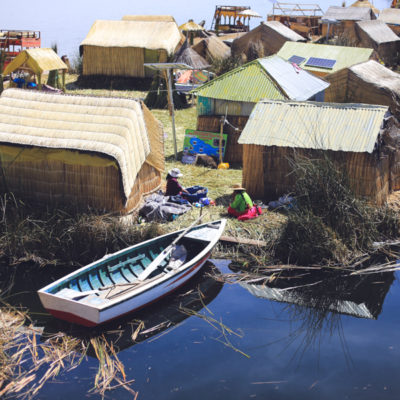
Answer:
(368, 83)
(235, 94)
(377, 35)
(347, 17)
(35, 61)
(334, 58)
(350, 134)
(366, 4)
(391, 17)
(186, 55)
(267, 38)
(103, 153)
(149, 18)
(121, 48)
(212, 48)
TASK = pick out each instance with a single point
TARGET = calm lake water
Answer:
(344, 346)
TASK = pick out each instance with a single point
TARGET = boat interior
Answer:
(124, 268)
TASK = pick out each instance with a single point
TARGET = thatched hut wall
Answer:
(211, 123)
(367, 83)
(120, 61)
(337, 91)
(272, 177)
(377, 35)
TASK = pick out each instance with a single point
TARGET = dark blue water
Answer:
(282, 350)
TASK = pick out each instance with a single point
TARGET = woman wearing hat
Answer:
(173, 186)
(242, 206)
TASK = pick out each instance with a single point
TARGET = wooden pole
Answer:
(221, 129)
(63, 80)
(171, 99)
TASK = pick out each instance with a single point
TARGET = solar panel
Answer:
(296, 59)
(320, 62)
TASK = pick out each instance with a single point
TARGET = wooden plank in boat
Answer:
(206, 233)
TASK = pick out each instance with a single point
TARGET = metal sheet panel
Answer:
(248, 83)
(344, 56)
(226, 107)
(312, 125)
(265, 78)
(297, 83)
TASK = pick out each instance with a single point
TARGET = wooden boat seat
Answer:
(205, 234)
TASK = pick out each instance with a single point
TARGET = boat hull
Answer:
(137, 302)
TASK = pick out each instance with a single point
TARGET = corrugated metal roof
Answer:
(297, 83)
(349, 13)
(283, 295)
(344, 56)
(312, 125)
(269, 77)
(378, 31)
(390, 16)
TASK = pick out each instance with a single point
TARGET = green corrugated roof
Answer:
(312, 125)
(248, 83)
(344, 56)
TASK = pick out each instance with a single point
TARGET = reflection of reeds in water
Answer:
(317, 299)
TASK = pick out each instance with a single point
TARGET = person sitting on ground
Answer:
(174, 188)
(242, 206)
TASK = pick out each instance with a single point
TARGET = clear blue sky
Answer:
(67, 22)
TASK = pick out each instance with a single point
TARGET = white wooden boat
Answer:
(132, 278)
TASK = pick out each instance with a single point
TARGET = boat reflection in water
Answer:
(151, 321)
(317, 301)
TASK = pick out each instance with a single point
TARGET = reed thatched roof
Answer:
(212, 48)
(312, 125)
(349, 13)
(365, 4)
(108, 126)
(271, 34)
(187, 55)
(390, 16)
(38, 60)
(149, 18)
(191, 26)
(378, 31)
(152, 35)
(378, 76)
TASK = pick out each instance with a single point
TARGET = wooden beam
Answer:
(252, 242)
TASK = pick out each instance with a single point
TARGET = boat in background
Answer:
(132, 278)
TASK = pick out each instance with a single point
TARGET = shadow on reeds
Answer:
(329, 224)
(29, 234)
(113, 83)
